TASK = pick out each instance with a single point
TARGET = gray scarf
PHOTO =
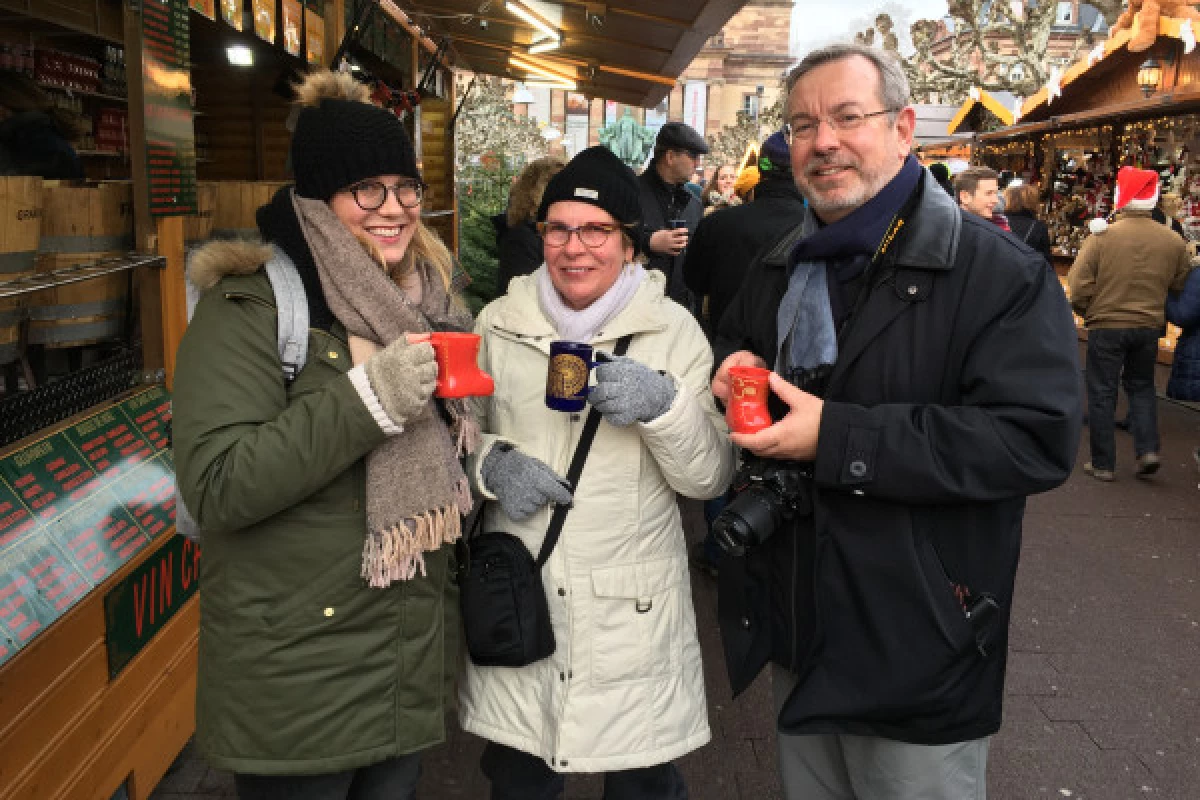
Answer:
(416, 489)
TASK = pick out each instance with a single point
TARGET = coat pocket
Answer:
(637, 620)
(947, 610)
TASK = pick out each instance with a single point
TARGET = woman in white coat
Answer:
(624, 692)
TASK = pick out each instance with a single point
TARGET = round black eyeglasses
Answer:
(371, 195)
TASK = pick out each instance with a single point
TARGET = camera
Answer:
(769, 494)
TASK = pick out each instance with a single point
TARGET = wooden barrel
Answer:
(82, 224)
(199, 226)
(20, 227)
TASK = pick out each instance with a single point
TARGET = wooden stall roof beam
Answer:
(573, 32)
(565, 64)
(644, 51)
(1178, 101)
(1167, 26)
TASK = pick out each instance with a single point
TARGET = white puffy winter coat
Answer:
(625, 687)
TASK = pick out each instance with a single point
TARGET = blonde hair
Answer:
(425, 247)
(526, 194)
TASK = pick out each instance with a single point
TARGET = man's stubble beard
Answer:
(871, 185)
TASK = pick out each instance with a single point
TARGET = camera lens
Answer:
(749, 520)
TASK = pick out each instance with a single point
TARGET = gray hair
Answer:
(893, 83)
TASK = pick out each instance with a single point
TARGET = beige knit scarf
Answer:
(417, 493)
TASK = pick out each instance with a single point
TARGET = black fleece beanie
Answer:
(596, 176)
(341, 142)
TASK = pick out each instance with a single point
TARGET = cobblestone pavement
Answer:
(1104, 658)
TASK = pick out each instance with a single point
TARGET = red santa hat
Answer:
(1136, 188)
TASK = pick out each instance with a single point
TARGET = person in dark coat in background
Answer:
(727, 240)
(670, 213)
(941, 174)
(35, 136)
(1183, 309)
(516, 229)
(1022, 203)
(925, 382)
(723, 248)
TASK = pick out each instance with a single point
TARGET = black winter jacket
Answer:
(727, 241)
(660, 204)
(520, 251)
(955, 395)
(1032, 231)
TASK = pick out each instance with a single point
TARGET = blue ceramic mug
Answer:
(567, 376)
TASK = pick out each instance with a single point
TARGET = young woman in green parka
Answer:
(328, 505)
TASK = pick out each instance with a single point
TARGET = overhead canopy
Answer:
(630, 51)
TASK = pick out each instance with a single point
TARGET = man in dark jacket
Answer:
(727, 240)
(670, 213)
(925, 382)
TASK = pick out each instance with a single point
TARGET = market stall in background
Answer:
(162, 123)
(1114, 107)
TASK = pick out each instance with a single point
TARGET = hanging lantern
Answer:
(1149, 76)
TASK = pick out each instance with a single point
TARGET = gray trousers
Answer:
(848, 767)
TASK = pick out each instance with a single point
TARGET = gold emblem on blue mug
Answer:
(567, 376)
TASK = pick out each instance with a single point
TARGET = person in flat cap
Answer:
(623, 692)
(328, 493)
(670, 213)
(1119, 284)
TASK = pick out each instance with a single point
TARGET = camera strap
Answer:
(885, 255)
(576, 468)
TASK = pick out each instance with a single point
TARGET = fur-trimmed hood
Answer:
(219, 258)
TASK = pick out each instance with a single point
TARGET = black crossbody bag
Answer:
(505, 613)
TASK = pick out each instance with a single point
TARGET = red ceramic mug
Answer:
(747, 410)
(459, 374)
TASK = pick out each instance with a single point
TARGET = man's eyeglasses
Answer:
(556, 234)
(371, 195)
(804, 128)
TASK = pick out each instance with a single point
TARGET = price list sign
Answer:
(170, 134)
(38, 582)
(151, 414)
(76, 506)
(48, 477)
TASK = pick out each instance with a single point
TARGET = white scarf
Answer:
(581, 326)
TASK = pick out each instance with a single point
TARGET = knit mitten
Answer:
(403, 377)
(627, 392)
(521, 483)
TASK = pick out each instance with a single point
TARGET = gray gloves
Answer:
(403, 377)
(521, 483)
(627, 392)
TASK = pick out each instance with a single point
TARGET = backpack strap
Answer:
(292, 305)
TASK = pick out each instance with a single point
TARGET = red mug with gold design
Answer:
(747, 410)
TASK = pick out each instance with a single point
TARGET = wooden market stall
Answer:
(1113, 107)
(98, 615)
